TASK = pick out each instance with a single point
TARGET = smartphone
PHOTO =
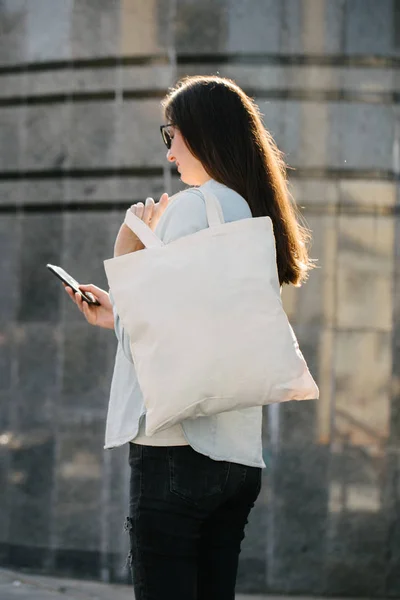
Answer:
(72, 283)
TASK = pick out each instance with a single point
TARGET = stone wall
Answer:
(80, 87)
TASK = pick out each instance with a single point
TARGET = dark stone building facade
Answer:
(80, 89)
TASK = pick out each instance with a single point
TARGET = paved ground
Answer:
(20, 586)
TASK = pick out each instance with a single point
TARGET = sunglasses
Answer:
(165, 134)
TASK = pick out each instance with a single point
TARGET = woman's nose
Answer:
(170, 157)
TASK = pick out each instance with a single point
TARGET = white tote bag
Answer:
(204, 314)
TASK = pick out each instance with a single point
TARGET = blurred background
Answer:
(80, 89)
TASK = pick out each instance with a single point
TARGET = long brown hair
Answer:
(223, 129)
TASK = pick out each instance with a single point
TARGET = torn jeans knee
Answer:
(128, 526)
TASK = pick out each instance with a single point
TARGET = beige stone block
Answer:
(313, 26)
(11, 137)
(312, 78)
(203, 27)
(368, 193)
(92, 137)
(310, 192)
(260, 77)
(140, 27)
(91, 189)
(139, 140)
(11, 85)
(313, 149)
(361, 135)
(252, 25)
(304, 77)
(324, 377)
(368, 80)
(365, 272)
(362, 400)
(46, 82)
(48, 29)
(94, 28)
(46, 136)
(314, 302)
(12, 192)
(158, 77)
(139, 188)
(42, 192)
(93, 80)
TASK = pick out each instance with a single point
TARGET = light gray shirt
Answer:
(233, 436)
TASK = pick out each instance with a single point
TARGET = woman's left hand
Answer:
(150, 213)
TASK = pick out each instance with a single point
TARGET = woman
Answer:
(193, 485)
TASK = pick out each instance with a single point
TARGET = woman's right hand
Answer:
(100, 316)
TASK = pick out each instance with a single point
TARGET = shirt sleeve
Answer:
(122, 335)
(185, 215)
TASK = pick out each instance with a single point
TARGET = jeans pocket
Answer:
(195, 477)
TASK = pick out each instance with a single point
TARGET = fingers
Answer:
(139, 209)
(75, 296)
(97, 292)
(159, 210)
(79, 301)
(70, 292)
(162, 205)
(144, 211)
(89, 314)
(86, 311)
(89, 287)
(148, 210)
(164, 201)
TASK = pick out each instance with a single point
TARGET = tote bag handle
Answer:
(142, 231)
(149, 239)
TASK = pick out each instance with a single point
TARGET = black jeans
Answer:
(186, 523)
